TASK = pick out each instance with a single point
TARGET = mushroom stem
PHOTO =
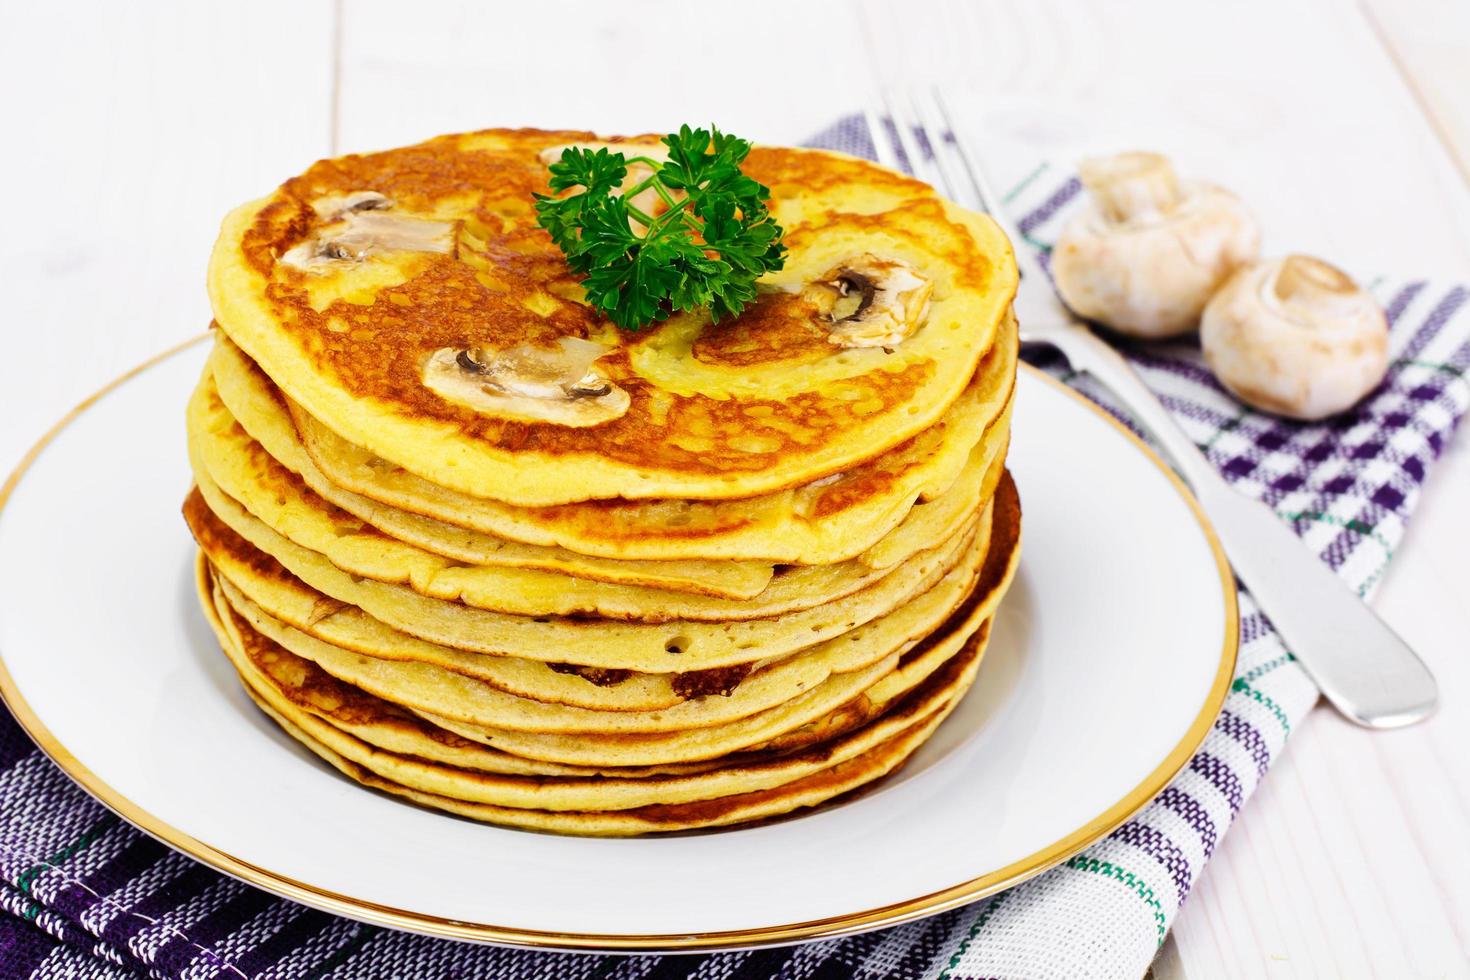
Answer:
(1134, 186)
(1306, 285)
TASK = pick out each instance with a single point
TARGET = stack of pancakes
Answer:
(477, 547)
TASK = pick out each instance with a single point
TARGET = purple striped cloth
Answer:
(83, 894)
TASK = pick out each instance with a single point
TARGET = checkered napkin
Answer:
(85, 895)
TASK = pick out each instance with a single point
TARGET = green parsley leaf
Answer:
(706, 251)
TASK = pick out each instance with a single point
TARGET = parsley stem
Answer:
(645, 220)
(678, 213)
(658, 186)
(650, 181)
(663, 192)
(638, 188)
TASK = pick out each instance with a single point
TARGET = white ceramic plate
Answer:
(1109, 661)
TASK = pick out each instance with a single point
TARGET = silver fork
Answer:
(1366, 671)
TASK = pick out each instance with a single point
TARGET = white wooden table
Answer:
(128, 133)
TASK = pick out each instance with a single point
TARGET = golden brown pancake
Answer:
(648, 647)
(479, 548)
(755, 405)
(750, 788)
(260, 409)
(314, 703)
(823, 522)
(272, 494)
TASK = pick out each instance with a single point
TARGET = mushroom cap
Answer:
(1295, 336)
(1146, 251)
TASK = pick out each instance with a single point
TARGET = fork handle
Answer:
(1363, 667)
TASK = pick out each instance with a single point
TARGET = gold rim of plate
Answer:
(840, 925)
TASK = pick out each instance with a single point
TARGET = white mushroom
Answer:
(1147, 251)
(529, 383)
(1295, 336)
(870, 302)
(360, 224)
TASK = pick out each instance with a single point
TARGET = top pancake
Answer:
(749, 406)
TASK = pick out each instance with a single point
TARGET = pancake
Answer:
(919, 661)
(373, 719)
(826, 522)
(258, 406)
(262, 579)
(938, 519)
(350, 629)
(689, 410)
(803, 721)
(467, 700)
(678, 645)
(477, 547)
(376, 720)
(566, 792)
(286, 683)
(271, 493)
(812, 790)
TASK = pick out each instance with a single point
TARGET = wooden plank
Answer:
(1336, 156)
(133, 129)
(1427, 40)
(565, 64)
(1372, 822)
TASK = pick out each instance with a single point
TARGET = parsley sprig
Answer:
(706, 250)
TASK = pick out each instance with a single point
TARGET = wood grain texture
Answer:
(1427, 40)
(143, 126)
(1352, 859)
(130, 132)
